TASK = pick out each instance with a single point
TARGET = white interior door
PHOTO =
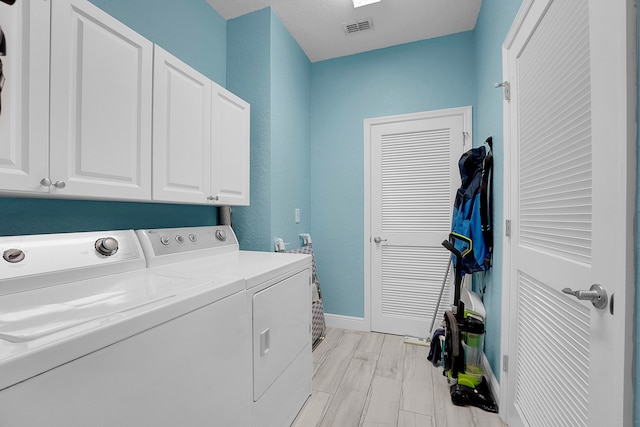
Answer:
(570, 130)
(413, 180)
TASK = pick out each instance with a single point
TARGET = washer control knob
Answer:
(179, 239)
(193, 237)
(107, 246)
(13, 255)
(164, 240)
(221, 235)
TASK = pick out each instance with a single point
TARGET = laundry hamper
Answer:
(317, 323)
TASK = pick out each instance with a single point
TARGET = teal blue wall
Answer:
(189, 29)
(43, 216)
(267, 68)
(194, 32)
(426, 75)
(249, 77)
(491, 29)
(290, 127)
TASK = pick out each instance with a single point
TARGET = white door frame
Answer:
(626, 87)
(465, 112)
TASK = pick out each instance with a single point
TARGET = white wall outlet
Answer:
(297, 214)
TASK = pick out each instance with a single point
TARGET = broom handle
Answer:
(444, 281)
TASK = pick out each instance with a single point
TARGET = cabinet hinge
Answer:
(507, 228)
(505, 363)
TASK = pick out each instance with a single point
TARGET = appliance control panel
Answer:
(164, 245)
(48, 259)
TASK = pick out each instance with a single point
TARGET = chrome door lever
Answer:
(596, 294)
(378, 239)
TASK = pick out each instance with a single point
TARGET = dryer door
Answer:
(281, 328)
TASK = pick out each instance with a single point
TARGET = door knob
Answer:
(379, 239)
(596, 294)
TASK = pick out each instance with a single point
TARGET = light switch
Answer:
(297, 216)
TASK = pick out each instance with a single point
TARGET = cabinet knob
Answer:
(60, 184)
(45, 182)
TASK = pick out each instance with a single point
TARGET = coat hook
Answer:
(505, 88)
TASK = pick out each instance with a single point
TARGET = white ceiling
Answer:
(317, 25)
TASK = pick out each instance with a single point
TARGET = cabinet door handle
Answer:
(45, 182)
(60, 184)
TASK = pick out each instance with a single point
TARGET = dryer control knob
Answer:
(221, 235)
(107, 246)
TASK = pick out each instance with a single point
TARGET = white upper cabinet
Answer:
(24, 118)
(200, 137)
(76, 122)
(230, 148)
(181, 131)
(101, 105)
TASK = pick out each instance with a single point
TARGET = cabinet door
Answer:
(230, 148)
(101, 89)
(24, 119)
(181, 131)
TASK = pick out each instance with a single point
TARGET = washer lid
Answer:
(33, 314)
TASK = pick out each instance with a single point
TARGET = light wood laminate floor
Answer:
(376, 380)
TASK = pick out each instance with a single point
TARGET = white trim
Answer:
(508, 314)
(517, 23)
(505, 312)
(346, 322)
(465, 112)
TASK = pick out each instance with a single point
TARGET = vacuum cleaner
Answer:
(464, 340)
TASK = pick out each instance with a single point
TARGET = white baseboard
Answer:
(494, 385)
(345, 322)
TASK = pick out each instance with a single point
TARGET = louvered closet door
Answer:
(414, 177)
(570, 362)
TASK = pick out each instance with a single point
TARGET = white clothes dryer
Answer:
(90, 337)
(278, 295)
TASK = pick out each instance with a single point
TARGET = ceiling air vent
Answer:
(358, 26)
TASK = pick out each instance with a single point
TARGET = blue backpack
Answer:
(471, 223)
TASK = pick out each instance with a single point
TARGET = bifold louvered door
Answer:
(414, 178)
(569, 362)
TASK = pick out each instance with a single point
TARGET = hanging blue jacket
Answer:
(470, 227)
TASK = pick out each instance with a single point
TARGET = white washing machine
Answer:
(278, 289)
(90, 337)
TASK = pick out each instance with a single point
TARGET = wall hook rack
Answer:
(506, 89)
